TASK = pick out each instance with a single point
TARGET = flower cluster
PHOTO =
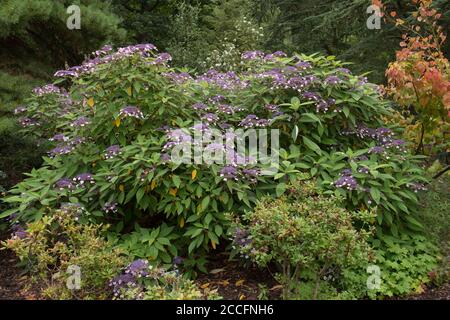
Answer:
(47, 89)
(110, 207)
(59, 138)
(225, 81)
(19, 110)
(104, 56)
(178, 78)
(65, 148)
(241, 238)
(346, 180)
(83, 179)
(64, 184)
(112, 151)
(416, 187)
(28, 122)
(231, 172)
(18, 232)
(252, 121)
(131, 111)
(80, 122)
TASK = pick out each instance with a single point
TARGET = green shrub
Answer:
(50, 247)
(307, 235)
(142, 281)
(125, 110)
(405, 266)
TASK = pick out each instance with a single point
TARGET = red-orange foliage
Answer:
(419, 79)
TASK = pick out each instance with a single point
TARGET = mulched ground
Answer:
(235, 282)
(14, 285)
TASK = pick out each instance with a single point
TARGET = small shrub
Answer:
(51, 245)
(307, 234)
(142, 281)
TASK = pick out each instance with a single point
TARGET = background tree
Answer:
(34, 42)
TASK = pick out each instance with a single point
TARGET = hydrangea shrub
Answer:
(115, 120)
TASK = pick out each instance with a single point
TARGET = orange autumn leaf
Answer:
(91, 102)
(173, 191)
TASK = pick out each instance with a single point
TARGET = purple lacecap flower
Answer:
(346, 181)
(362, 81)
(313, 96)
(397, 144)
(252, 120)
(331, 101)
(251, 174)
(112, 151)
(252, 55)
(61, 150)
(121, 282)
(77, 141)
(332, 80)
(110, 207)
(363, 170)
(322, 106)
(217, 99)
(59, 138)
(346, 172)
(382, 132)
(165, 157)
(297, 83)
(229, 172)
(361, 158)
(83, 179)
(210, 117)
(19, 232)
(178, 78)
(65, 73)
(225, 108)
(200, 127)
(234, 158)
(276, 54)
(226, 81)
(199, 106)
(64, 183)
(241, 237)
(377, 150)
(303, 65)
(178, 135)
(143, 49)
(47, 89)
(344, 71)
(80, 122)
(177, 260)
(416, 187)
(289, 70)
(162, 58)
(20, 109)
(131, 111)
(138, 268)
(28, 122)
(272, 108)
(103, 51)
